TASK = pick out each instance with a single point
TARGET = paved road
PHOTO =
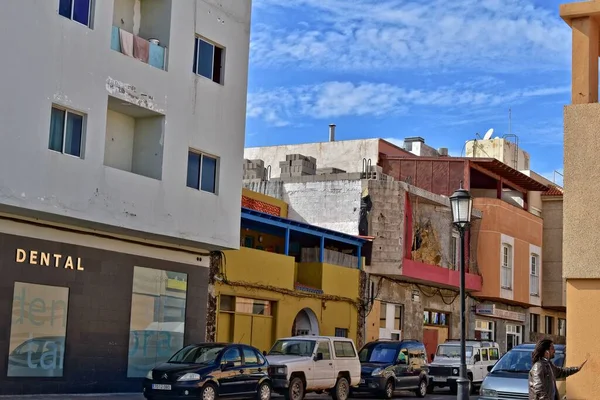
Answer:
(439, 395)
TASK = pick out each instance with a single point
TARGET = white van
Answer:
(444, 369)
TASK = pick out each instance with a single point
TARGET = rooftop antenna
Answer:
(488, 134)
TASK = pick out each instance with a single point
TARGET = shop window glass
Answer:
(157, 318)
(38, 330)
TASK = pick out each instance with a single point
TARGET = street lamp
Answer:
(461, 203)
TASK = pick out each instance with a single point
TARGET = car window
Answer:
(324, 348)
(343, 349)
(378, 352)
(416, 356)
(494, 354)
(261, 359)
(232, 355)
(402, 358)
(250, 357)
(484, 354)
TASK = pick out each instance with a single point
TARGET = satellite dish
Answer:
(488, 134)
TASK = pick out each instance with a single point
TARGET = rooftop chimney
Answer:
(332, 132)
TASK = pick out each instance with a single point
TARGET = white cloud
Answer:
(490, 35)
(282, 106)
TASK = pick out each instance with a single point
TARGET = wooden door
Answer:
(430, 340)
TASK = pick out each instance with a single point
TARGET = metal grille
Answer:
(512, 395)
(440, 371)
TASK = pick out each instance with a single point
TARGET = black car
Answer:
(211, 370)
(390, 365)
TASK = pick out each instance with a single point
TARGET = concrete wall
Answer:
(553, 284)
(580, 244)
(386, 223)
(327, 203)
(80, 71)
(427, 299)
(346, 155)
(500, 149)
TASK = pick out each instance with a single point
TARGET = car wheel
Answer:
(388, 391)
(453, 389)
(471, 386)
(430, 388)
(422, 390)
(341, 389)
(296, 389)
(209, 392)
(264, 391)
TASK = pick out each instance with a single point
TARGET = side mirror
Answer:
(264, 353)
(489, 368)
(477, 358)
(227, 365)
(401, 362)
(318, 357)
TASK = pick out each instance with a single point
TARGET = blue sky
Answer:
(443, 70)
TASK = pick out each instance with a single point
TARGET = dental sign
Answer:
(45, 259)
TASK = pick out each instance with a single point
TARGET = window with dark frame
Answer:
(202, 172)
(66, 131)
(397, 318)
(76, 10)
(341, 332)
(382, 315)
(549, 325)
(534, 322)
(208, 60)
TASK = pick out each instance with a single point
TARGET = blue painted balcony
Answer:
(147, 51)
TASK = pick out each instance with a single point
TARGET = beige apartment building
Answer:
(581, 220)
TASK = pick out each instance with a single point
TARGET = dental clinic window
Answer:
(38, 331)
(157, 322)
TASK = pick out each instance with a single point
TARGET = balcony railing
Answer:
(148, 51)
(311, 255)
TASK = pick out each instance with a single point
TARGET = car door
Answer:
(232, 374)
(324, 372)
(401, 369)
(254, 369)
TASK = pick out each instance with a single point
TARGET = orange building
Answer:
(509, 258)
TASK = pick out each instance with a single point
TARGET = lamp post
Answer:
(461, 203)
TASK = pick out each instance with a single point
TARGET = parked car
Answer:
(445, 368)
(211, 370)
(390, 365)
(304, 364)
(509, 378)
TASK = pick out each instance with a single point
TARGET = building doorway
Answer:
(305, 323)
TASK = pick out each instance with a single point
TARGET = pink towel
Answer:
(126, 42)
(141, 48)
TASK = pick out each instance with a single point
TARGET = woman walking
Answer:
(543, 374)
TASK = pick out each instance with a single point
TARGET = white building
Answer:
(123, 119)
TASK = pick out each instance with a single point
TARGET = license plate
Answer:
(439, 379)
(161, 387)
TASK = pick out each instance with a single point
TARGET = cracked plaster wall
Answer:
(80, 72)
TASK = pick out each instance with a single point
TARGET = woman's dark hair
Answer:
(540, 349)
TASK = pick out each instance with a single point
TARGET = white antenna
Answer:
(488, 134)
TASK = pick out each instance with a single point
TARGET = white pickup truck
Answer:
(303, 364)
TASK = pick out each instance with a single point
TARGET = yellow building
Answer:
(288, 278)
(581, 218)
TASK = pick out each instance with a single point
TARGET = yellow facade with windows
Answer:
(259, 303)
